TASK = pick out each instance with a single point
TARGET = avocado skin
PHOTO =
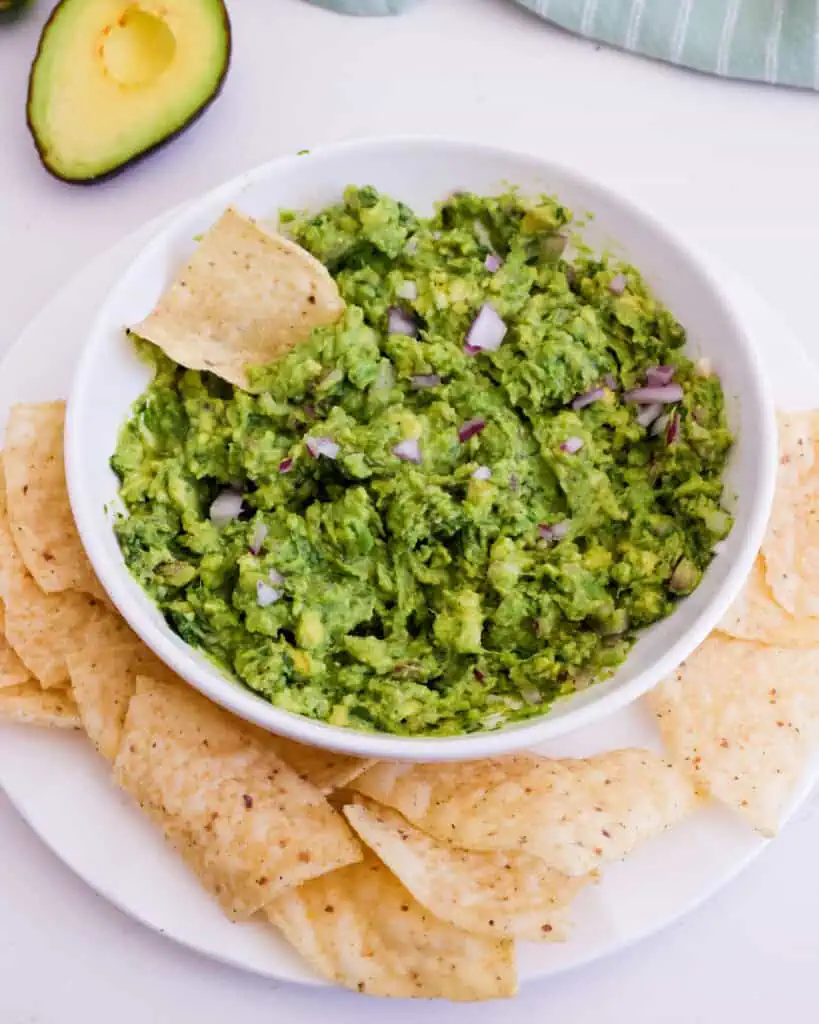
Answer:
(95, 179)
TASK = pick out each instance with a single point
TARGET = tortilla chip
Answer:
(324, 769)
(493, 893)
(39, 512)
(246, 824)
(12, 671)
(755, 615)
(10, 561)
(744, 720)
(44, 629)
(791, 544)
(246, 297)
(361, 928)
(573, 814)
(33, 706)
(104, 681)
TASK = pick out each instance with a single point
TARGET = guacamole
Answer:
(458, 503)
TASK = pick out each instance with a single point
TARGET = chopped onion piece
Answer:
(487, 331)
(226, 507)
(285, 465)
(588, 398)
(258, 538)
(659, 376)
(401, 322)
(610, 381)
(673, 432)
(514, 482)
(572, 445)
(648, 414)
(647, 396)
(482, 473)
(493, 262)
(531, 695)
(266, 595)
(425, 380)
(482, 234)
(659, 425)
(409, 451)
(471, 428)
(325, 446)
(275, 577)
(408, 290)
(554, 245)
(617, 285)
(704, 367)
(555, 531)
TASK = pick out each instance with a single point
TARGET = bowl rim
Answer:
(249, 706)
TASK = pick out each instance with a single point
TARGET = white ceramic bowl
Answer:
(420, 171)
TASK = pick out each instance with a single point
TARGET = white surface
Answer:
(734, 165)
(110, 377)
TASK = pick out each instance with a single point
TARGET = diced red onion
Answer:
(673, 432)
(408, 290)
(659, 425)
(572, 445)
(617, 285)
(265, 594)
(487, 331)
(482, 473)
(409, 451)
(471, 428)
(285, 465)
(648, 414)
(589, 398)
(401, 322)
(275, 577)
(325, 446)
(226, 507)
(514, 482)
(610, 381)
(478, 675)
(647, 396)
(554, 531)
(493, 262)
(659, 376)
(258, 538)
(425, 380)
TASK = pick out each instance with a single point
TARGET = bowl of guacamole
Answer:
(512, 481)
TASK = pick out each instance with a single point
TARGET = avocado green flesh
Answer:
(420, 599)
(113, 81)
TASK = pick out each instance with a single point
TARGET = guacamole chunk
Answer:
(455, 505)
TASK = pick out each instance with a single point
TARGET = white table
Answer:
(735, 165)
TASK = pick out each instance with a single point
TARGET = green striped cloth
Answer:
(775, 41)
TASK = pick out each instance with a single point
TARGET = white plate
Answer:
(421, 172)
(62, 788)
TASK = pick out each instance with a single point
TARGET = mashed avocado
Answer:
(448, 509)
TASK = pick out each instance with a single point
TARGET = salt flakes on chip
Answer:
(246, 297)
(31, 705)
(37, 499)
(362, 929)
(573, 814)
(791, 544)
(104, 680)
(493, 893)
(756, 615)
(246, 824)
(743, 719)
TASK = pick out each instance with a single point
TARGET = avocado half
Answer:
(113, 80)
